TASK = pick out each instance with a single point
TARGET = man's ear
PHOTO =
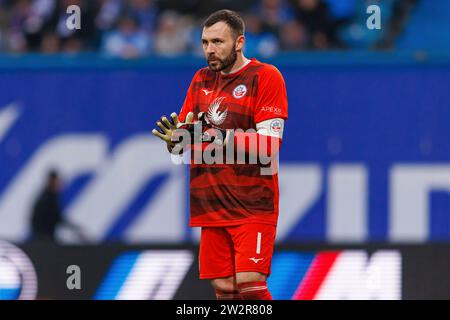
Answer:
(240, 41)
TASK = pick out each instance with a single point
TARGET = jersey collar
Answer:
(230, 75)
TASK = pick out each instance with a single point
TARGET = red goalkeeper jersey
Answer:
(232, 194)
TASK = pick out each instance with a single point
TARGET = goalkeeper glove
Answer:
(201, 131)
(166, 128)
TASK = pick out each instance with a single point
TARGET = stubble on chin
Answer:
(223, 64)
(218, 66)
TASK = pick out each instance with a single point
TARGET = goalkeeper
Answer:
(236, 205)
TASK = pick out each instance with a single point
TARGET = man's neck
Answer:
(240, 63)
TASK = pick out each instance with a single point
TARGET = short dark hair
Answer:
(231, 18)
(52, 174)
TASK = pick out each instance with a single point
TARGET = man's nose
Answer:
(210, 48)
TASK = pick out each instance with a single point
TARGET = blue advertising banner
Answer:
(364, 158)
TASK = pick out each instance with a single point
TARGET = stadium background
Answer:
(364, 174)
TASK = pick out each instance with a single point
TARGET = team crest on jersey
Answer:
(275, 126)
(214, 115)
(239, 91)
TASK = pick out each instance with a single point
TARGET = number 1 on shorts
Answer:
(258, 243)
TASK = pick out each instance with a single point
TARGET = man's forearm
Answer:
(256, 144)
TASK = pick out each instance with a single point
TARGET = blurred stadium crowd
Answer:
(135, 28)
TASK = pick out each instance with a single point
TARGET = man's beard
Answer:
(221, 64)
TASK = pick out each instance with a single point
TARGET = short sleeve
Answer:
(188, 104)
(271, 101)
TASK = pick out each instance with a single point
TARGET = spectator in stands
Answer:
(274, 13)
(72, 45)
(108, 14)
(171, 39)
(317, 20)
(87, 31)
(18, 15)
(293, 36)
(37, 21)
(127, 41)
(258, 42)
(50, 43)
(145, 14)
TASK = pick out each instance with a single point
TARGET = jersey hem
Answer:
(227, 223)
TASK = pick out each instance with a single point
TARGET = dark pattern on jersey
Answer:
(224, 194)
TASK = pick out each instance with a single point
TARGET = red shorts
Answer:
(224, 251)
